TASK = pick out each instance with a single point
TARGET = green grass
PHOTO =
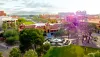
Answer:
(28, 23)
(69, 51)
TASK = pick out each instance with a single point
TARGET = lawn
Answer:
(69, 51)
(28, 23)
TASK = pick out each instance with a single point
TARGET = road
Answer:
(5, 51)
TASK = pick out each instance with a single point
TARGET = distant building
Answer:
(45, 26)
(82, 15)
(70, 16)
(8, 19)
(14, 16)
(93, 17)
(49, 16)
(2, 13)
(63, 15)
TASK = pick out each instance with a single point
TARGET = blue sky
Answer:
(54, 6)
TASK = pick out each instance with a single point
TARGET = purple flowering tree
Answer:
(77, 29)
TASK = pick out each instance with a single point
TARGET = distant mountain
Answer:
(28, 13)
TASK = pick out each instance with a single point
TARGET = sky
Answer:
(54, 6)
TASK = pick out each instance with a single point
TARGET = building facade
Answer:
(2, 13)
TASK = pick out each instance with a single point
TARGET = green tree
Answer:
(39, 19)
(52, 20)
(13, 25)
(4, 26)
(30, 53)
(10, 41)
(40, 51)
(20, 21)
(46, 47)
(11, 36)
(1, 54)
(43, 49)
(15, 52)
(92, 27)
(96, 54)
(28, 37)
(60, 32)
(10, 33)
(91, 55)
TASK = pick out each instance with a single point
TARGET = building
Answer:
(2, 13)
(63, 15)
(7, 19)
(44, 26)
(49, 16)
(93, 17)
(71, 16)
(14, 16)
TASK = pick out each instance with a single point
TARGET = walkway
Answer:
(4, 50)
(98, 41)
(69, 40)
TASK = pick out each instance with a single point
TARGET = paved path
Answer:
(98, 41)
(4, 50)
(69, 40)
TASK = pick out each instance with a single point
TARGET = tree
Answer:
(20, 21)
(40, 51)
(91, 55)
(46, 47)
(15, 52)
(60, 32)
(4, 26)
(28, 37)
(10, 41)
(1, 54)
(52, 20)
(11, 36)
(30, 53)
(91, 28)
(96, 54)
(10, 33)
(43, 49)
(13, 25)
(39, 19)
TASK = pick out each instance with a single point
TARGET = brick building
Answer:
(2, 13)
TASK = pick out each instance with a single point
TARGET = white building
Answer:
(6, 18)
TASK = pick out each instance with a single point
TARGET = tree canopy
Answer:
(10, 33)
(4, 26)
(21, 20)
(30, 53)
(28, 37)
(1, 54)
(11, 36)
(39, 19)
(95, 54)
(15, 52)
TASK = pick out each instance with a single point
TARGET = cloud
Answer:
(1, 3)
(36, 5)
(23, 5)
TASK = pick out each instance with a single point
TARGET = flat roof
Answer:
(43, 24)
(6, 18)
